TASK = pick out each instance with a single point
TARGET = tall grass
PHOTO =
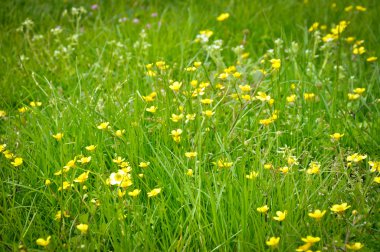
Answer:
(258, 144)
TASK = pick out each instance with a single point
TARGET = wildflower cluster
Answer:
(128, 140)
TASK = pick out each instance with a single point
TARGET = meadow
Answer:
(189, 125)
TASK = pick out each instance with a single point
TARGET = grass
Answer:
(268, 143)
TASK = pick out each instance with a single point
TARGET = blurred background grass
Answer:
(253, 23)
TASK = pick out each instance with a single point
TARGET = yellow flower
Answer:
(82, 178)
(118, 160)
(83, 228)
(134, 193)
(350, 39)
(375, 166)
(359, 90)
(245, 88)
(3, 113)
(190, 69)
(280, 215)
(338, 29)
(356, 158)
(96, 202)
(208, 113)
(369, 59)
(66, 168)
(151, 109)
(154, 192)
(360, 8)
(308, 96)
(237, 75)
(23, 109)
(311, 239)
(190, 117)
(329, 37)
(339, 208)
(42, 242)
(223, 17)
(116, 178)
(276, 63)
(222, 163)
(284, 170)
(208, 33)
(317, 214)
(197, 63)
(125, 166)
(234, 96)
(127, 182)
(119, 133)
(268, 166)
(190, 172)
(8, 154)
(58, 136)
(191, 154)
(59, 172)
(144, 164)
(263, 209)
(71, 163)
(219, 86)
(17, 162)
(336, 136)
(273, 241)
(358, 50)
(65, 185)
(266, 122)
(91, 147)
(161, 65)
(245, 55)
(313, 27)
(149, 66)
(150, 97)
(262, 96)
(121, 193)
(348, 8)
(353, 96)
(35, 104)
(176, 118)
(58, 215)
(194, 83)
(376, 180)
(313, 168)
(355, 246)
(175, 86)
(246, 97)
(291, 98)
(103, 126)
(176, 134)
(304, 247)
(203, 36)
(230, 69)
(252, 175)
(84, 160)
(223, 76)
(47, 182)
(292, 160)
(207, 101)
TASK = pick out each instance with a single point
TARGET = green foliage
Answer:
(196, 123)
